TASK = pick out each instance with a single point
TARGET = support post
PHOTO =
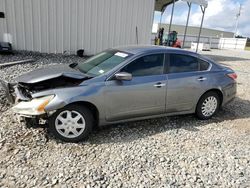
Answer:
(160, 20)
(171, 19)
(203, 9)
(136, 33)
(185, 33)
(162, 12)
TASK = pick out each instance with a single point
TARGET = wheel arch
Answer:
(90, 106)
(218, 91)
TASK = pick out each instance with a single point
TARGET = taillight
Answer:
(232, 75)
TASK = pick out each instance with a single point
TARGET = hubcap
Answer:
(209, 106)
(70, 124)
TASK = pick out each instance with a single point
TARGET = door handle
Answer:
(158, 85)
(202, 79)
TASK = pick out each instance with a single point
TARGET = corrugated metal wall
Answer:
(56, 26)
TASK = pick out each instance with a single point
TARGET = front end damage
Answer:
(32, 109)
(29, 110)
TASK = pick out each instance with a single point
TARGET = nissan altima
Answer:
(118, 85)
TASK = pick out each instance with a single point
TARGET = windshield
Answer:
(102, 62)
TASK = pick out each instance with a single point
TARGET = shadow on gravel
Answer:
(225, 58)
(128, 132)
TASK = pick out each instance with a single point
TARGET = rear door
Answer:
(186, 82)
(144, 95)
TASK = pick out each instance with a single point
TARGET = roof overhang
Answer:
(160, 5)
(203, 3)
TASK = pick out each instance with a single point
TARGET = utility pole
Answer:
(237, 21)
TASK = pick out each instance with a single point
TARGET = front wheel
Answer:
(208, 105)
(72, 123)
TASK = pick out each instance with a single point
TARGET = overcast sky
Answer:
(220, 14)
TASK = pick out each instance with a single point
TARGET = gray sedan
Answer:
(121, 84)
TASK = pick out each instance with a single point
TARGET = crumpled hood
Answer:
(49, 73)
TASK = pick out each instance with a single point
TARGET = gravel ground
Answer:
(178, 151)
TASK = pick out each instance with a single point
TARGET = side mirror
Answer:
(123, 76)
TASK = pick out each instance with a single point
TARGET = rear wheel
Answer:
(208, 105)
(72, 123)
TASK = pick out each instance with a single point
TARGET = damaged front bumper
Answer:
(23, 105)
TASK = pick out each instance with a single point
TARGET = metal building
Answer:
(192, 30)
(55, 26)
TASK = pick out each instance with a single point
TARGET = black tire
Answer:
(199, 112)
(86, 114)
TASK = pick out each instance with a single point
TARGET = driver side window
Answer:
(146, 66)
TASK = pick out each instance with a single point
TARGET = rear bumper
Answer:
(229, 93)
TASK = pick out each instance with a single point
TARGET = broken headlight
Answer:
(34, 107)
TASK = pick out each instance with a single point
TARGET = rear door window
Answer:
(179, 63)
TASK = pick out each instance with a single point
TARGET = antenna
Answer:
(237, 21)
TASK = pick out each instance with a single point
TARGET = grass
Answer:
(247, 48)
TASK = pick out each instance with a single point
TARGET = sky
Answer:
(220, 14)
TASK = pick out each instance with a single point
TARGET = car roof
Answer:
(138, 49)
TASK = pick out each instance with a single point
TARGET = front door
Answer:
(144, 95)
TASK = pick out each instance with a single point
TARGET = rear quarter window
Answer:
(203, 65)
